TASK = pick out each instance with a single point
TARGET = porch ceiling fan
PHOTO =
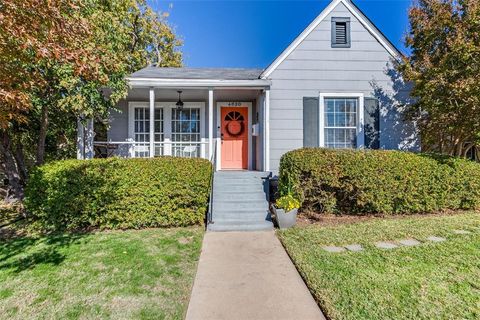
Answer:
(179, 103)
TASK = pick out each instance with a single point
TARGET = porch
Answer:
(216, 114)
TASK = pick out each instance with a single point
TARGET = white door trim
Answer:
(219, 130)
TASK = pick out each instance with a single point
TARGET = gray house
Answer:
(333, 86)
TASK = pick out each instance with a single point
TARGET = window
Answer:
(141, 130)
(340, 128)
(186, 130)
(178, 133)
(340, 32)
(158, 131)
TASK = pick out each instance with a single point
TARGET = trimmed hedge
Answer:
(119, 193)
(379, 181)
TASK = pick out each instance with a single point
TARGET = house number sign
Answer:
(234, 104)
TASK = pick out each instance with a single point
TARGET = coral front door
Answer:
(234, 130)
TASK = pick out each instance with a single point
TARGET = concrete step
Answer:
(243, 174)
(240, 226)
(238, 189)
(240, 196)
(242, 182)
(239, 176)
(232, 205)
(259, 215)
(240, 202)
(240, 211)
(236, 220)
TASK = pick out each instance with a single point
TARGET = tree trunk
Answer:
(20, 159)
(42, 136)
(15, 181)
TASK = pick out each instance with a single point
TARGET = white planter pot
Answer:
(285, 220)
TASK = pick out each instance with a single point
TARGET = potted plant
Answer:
(286, 208)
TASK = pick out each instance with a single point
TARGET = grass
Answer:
(429, 281)
(144, 274)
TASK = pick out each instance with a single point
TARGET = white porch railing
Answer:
(134, 149)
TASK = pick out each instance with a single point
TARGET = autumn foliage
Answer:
(57, 57)
(444, 67)
(34, 31)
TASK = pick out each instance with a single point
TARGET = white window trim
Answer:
(131, 121)
(360, 120)
(167, 121)
(131, 115)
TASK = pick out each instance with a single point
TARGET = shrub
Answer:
(119, 193)
(379, 181)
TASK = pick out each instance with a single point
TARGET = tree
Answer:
(32, 32)
(444, 68)
(56, 59)
(134, 36)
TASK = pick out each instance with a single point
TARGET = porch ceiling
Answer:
(194, 95)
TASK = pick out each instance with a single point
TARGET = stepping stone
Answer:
(354, 247)
(333, 249)
(385, 245)
(409, 242)
(436, 239)
(461, 232)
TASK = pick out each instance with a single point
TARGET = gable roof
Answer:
(152, 72)
(357, 13)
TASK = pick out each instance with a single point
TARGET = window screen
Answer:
(341, 122)
(186, 130)
(142, 130)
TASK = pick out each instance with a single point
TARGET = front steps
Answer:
(240, 202)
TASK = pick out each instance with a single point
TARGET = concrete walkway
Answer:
(248, 275)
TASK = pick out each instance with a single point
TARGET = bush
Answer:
(379, 181)
(119, 193)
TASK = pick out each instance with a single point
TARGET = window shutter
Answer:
(311, 111)
(341, 33)
(371, 123)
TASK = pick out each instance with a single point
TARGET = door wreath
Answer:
(235, 128)
(235, 125)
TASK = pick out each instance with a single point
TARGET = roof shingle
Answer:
(197, 73)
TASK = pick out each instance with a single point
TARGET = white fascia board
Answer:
(196, 83)
(299, 39)
(380, 38)
(391, 50)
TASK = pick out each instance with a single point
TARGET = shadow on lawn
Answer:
(26, 253)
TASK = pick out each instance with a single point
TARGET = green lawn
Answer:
(108, 275)
(429, 281)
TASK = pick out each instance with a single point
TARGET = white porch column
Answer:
(210, 123)
(152, 123)
(89, 135)
(80, 140)
(267, 130)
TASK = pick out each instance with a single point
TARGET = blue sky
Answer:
(252, 33)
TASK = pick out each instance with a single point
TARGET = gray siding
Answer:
(118, 130)
(314, 67)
